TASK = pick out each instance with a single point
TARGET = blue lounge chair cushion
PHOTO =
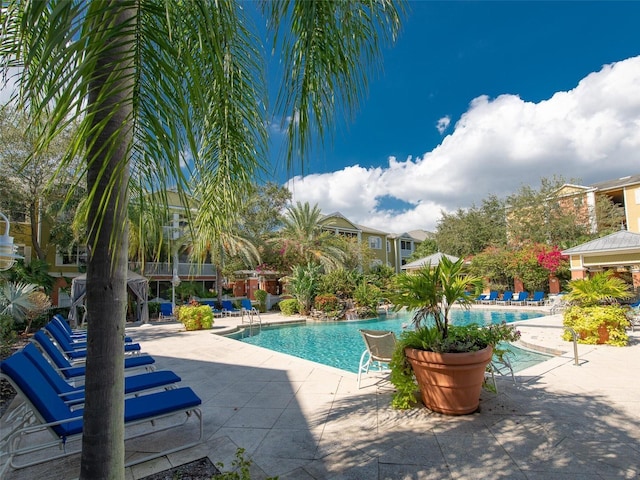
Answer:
(53, 409)
(77, 349)
(70, 371)
(60, 320)
(74, 395)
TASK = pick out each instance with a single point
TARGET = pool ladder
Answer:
(250, 315)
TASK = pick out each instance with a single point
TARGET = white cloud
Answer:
(591, 133)
(443, 124)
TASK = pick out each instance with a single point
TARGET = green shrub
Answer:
(261, 297)
(8, 335)
(367, 297)
(327, 302)
(154, 309)
(198, 317)
(590, 323)
(289, 306)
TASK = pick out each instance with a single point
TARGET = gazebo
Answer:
(432, 260)
(138, 284)
(619, 250)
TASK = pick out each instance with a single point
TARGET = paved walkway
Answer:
(301, 420)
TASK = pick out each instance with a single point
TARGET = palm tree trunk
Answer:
(108, 173)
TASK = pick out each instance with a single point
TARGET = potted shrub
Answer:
(594, 313)
(448, 362)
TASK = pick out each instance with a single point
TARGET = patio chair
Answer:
(249, 311)
(78, 349)
(502, 366)
(481, 297)
(537, 299)
(633, 315)
(491, 298)
(48, 411)
(520, 299)
(229, 309)
(380, 345)
(71, 371)
(74, 395)
(166, 312)
(506, 297)
(75, 335)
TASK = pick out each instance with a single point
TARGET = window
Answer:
(388, 246)
(375, 243)
(406, 245)
(76, 256)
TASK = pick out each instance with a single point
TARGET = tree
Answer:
(426, 248)
(170, 93)
(302, 240)
(26, 187)
(467, 232)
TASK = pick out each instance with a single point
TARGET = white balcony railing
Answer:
(162, 269)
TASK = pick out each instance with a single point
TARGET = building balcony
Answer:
(165, 269)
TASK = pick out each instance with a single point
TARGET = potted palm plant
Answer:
(594, 312)
(448, 362)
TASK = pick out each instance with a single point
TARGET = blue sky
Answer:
(478, 98)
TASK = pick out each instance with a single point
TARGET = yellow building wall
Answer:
(612, 259)
(338, 222)
(632, 203)
(378, 253)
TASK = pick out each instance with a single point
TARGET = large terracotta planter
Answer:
(450, 383)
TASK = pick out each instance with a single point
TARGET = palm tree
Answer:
(302, 239)
(600, 289)
(172, 94)
(432, 291)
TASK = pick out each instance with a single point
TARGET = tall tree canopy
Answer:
(173, 93)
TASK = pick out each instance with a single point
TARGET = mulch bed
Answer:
(201, 469)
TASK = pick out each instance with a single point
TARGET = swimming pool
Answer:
(339, 344)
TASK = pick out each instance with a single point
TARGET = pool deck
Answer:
(301, 420)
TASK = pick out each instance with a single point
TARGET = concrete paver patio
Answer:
(301, 420)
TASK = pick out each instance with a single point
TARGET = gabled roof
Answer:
(325, 220)
(621, 240)
(617, 183)
(371, 230)
(433, 259)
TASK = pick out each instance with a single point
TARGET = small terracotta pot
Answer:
(450, 383)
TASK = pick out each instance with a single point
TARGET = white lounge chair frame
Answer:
(379, 350)
(31, 422)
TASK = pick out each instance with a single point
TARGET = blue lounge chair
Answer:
(506, 297)
(70, 371)
(75, 395)
(51, 412)
(77, 350)
(212, 303)
(249, 311)
(75, 335)
(247, 305)
(166, 311)
(481, 297)
(520, 299)
(537, 299)
(228, 308)
(491, 298)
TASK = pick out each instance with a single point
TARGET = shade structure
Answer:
(138, 284)
(432, 260)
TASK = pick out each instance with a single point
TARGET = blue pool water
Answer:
(340, 345)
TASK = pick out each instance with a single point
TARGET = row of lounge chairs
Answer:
(48, 375)
(509, 298)
(227, 308)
